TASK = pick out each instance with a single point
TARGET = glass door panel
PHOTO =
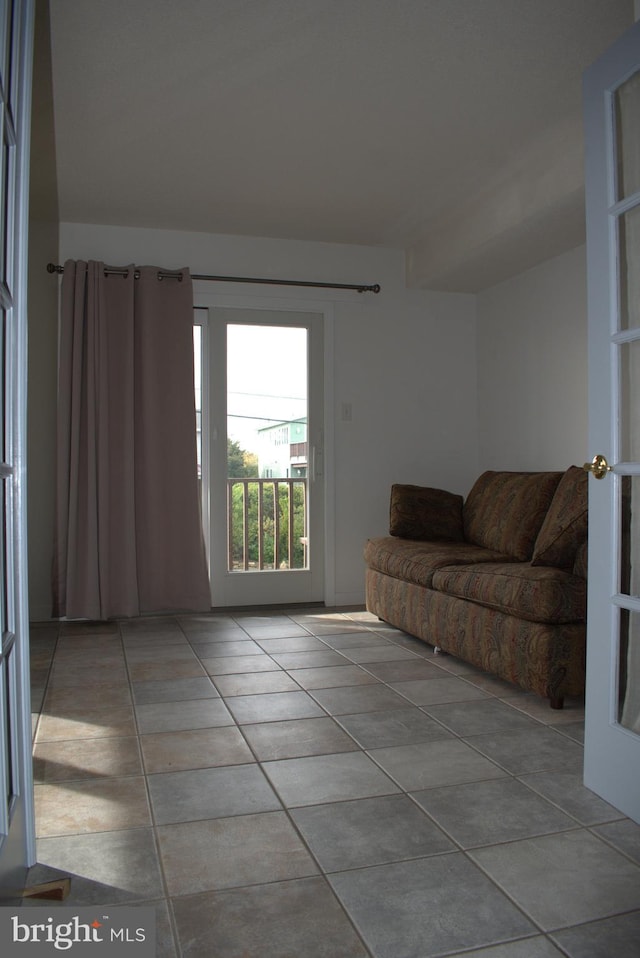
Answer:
(628, 671)
(629, 242)
(267, 447)
(627, 109)
(8, 706)
(629, 378)
(630, 536)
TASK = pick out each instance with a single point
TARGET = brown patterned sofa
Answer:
(498, 580)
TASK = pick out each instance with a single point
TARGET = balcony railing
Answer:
(267, 524)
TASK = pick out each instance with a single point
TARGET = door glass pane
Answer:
(5, 746)
(629, 401)
(8, 177)
(630, 536)
(629, 260)
(627, 110)
(6, 219)
(5, 560)
(629, 671)
(4, 318)
(267, 449)
(6, 28)
(8, 727)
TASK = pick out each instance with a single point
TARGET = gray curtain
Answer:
(128, 536)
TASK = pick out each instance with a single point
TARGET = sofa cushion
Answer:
(505, 510)
(536, 593)
(418, 512)
(416, 562)
(543, 658)
(565, 524)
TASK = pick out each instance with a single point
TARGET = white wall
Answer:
(532, 368)
(41, 415)
(404, 359)
(42, 308)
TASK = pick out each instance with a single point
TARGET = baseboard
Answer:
(349, 598)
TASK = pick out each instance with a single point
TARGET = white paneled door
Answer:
(612, 150)
(17, 844)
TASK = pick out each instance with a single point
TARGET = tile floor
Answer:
(318, 784)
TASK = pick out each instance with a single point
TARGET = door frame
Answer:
(17, 844)
(204, 296)
(608, 746)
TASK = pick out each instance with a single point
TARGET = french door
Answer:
(261, 437)
(612, 147)
(17, 843)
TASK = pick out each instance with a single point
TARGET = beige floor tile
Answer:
(227, 852)
(255, 683)
(235, 664)
(165, 669)
(88, 646)
(87, 723)
(163, 653)
(565, 879)
(86, 758)
(179, 716)
(88, 628)
(149, 623)
(154, 640)
(61, 701)
(539, 708)
(194, 748)
(297, 738)
(300, 918)
(120, 867)
(40, 658)
(96, 805)
(67, 674)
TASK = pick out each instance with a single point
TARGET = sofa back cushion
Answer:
(505, 510)
(565, 524)
(418, 512)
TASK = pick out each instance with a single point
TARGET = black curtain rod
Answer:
(168, 274)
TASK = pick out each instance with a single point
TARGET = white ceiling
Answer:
(448, 128)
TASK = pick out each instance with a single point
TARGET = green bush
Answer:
(297, 561)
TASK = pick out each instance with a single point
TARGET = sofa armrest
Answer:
(418, 512)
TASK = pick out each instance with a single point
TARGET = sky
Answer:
(266, 378)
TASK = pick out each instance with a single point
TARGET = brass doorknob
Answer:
(598, 467)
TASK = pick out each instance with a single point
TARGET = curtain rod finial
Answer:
(52, 268)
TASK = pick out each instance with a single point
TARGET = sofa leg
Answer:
(556, 702)
(438, 651)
